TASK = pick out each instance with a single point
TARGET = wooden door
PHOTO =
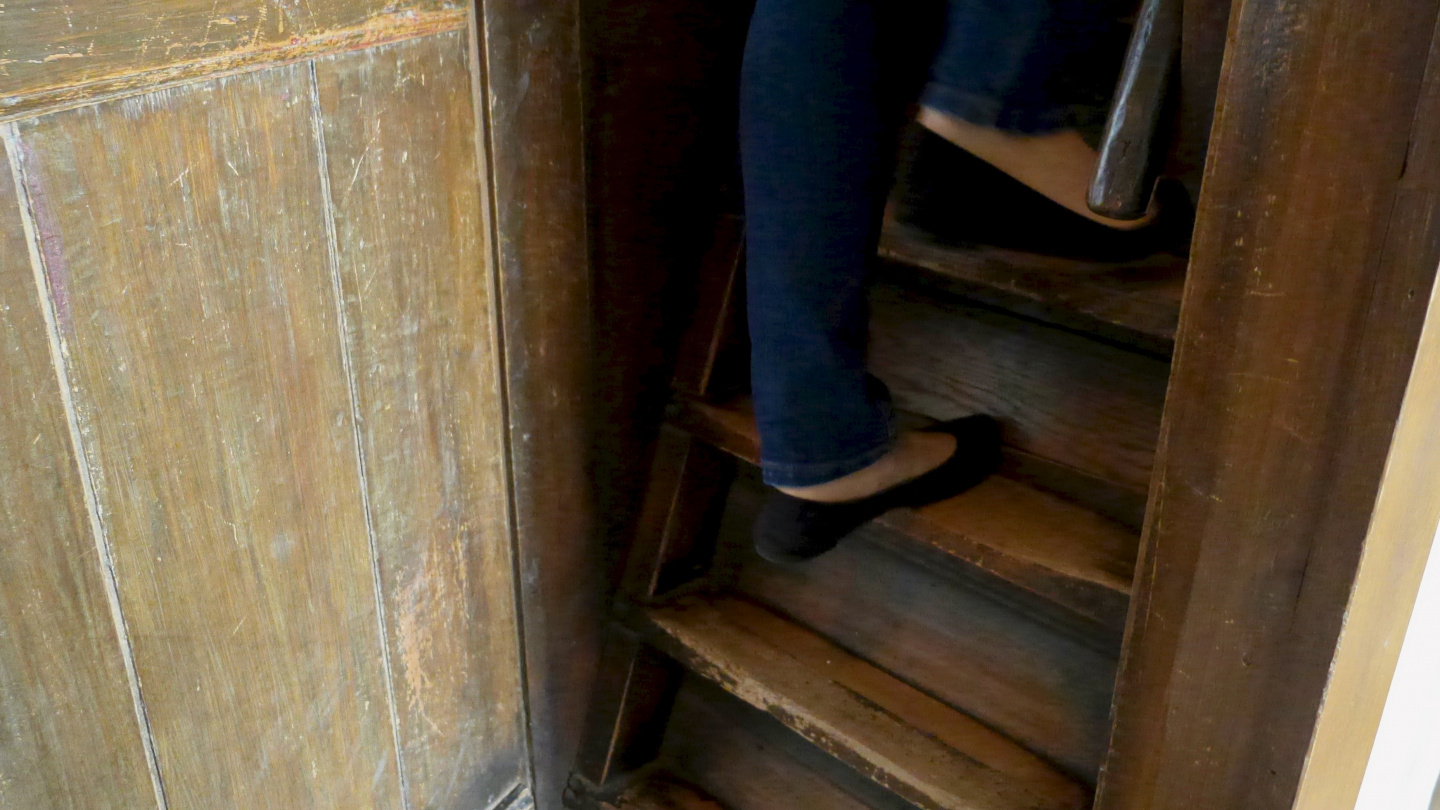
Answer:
(256, 525)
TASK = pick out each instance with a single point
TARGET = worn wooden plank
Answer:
(674, 534)
(413, 264)
(1202, 51)
(1136, 303)
(902, 739)
(184, 247)
(1060, 396)
(1021, 669)
(69, 733)
(55, 52)
(748, 760)
(1314, 259)
(1037, 541)
(531, 87)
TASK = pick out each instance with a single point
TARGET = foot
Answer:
(790, 528)
(1059, 165)
(956, 197)
(915, 453)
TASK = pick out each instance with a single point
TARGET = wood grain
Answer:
(56, 52)
(748, 760)
(1060, 396)
(1315, 254)
(69, 734)
(1399, 541)
(915, 746)
(1041, 681)
(184, 246)
(414, 268)
(1035, 540)
(1135, 303)
(1400, 537)
(531, 90)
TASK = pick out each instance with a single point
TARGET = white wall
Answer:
(1405, 762)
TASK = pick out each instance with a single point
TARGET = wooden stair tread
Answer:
(913, 745)
(661, 793)
(1035, 540)
(1135, 302)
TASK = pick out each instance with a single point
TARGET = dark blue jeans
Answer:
(824, 87)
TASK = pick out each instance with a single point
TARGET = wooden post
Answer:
(1314, 259)
(531, 89)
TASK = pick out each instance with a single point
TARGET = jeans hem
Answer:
(809, 474)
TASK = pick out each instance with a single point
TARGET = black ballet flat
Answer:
(790, 529)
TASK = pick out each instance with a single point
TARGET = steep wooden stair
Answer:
(904, 740)
(957, 656)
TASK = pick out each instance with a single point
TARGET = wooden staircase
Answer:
(957, 656)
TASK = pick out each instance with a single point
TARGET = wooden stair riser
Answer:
(674, 543)
(750, 761)
(1061, 396)
(899, 738)
(674, 536)
(1019, 668)
(1036, 541)
(1136, 304)
(628, 709)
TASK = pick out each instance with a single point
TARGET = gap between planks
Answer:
(381, 29)
(332, 246)
(13, 149)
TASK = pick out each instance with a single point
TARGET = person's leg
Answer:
(816, 142)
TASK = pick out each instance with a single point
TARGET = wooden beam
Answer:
(1314, 257)
(530, 86)
(58, 54)
(1402, 528)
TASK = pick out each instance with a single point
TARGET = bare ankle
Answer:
(914, 455)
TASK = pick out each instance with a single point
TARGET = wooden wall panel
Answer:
(69, 735)
(185, 250)
(532, 71)
(414, 264)
(53, 50)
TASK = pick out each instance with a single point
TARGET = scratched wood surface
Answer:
(69, 736)
(1315, 253)
(532, 90)
(184, 242)
(748, 760)
(53, 50)
(413, 264)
